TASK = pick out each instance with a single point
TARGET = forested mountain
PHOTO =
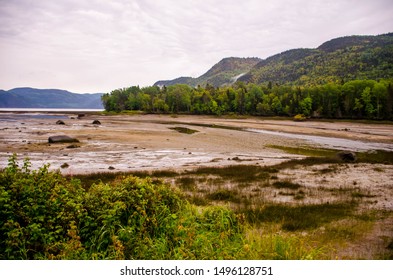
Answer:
(338, 60)
(225, 72)
(48, 98)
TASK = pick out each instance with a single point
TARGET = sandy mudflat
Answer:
(147, 142)
(127, 143)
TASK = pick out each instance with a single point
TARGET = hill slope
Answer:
(340, 59)
(48, 98)
(224, 72)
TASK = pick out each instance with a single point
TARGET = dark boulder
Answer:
(62, 139)
(347, 156)
(97, 122)
(60, 122)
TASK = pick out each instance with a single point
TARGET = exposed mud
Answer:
(148, 142)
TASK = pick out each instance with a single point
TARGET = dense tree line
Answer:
(368, 99)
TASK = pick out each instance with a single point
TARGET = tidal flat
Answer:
(333, 209)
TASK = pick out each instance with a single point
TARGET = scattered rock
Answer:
(236, 159)
(73, 146)
(65, 165)
(60, 122)
(97, 122)
(81, 115)
(111, 168)
(62, 139)
(347, 156)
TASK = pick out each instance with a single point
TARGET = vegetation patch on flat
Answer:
(234, 212)
(184, 130)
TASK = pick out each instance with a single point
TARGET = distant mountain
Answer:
(340, 59)
(48, 98)
(225, 72)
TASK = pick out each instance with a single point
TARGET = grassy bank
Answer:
(233, 212)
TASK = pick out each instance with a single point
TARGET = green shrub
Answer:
(44, 215)
(299, 118)
(37, 209)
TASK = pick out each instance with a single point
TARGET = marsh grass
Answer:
(250, 226)
(108, 177)
(329, 169)
(186, 183)
(316, 155)
(272, 246)
(306, 151)
(359, 194)
(286, 185)
(225, 195)
(164, 174)
(298, 229)
(300, 217)
(237, 173)
(383, 157)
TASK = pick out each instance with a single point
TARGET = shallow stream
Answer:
(331, 142)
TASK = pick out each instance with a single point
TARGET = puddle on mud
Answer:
(331, 142)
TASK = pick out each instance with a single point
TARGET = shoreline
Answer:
(145, 141)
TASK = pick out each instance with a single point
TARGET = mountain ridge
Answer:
(337, 60)
(219, 74)
(27, 97)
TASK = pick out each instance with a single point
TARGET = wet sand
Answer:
(147, 142)
(140, 142)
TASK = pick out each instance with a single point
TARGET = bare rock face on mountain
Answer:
(62, 139)
(225, 72)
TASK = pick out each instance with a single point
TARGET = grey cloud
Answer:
(92, 45)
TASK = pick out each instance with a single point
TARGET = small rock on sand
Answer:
(62, 139)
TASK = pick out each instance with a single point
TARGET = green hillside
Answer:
(223, 73)
(338, 60)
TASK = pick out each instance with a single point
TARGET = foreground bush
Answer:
(46, 216)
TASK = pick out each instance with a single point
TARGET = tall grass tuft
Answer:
(301, 217)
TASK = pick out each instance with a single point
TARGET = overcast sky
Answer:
(100, 45)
